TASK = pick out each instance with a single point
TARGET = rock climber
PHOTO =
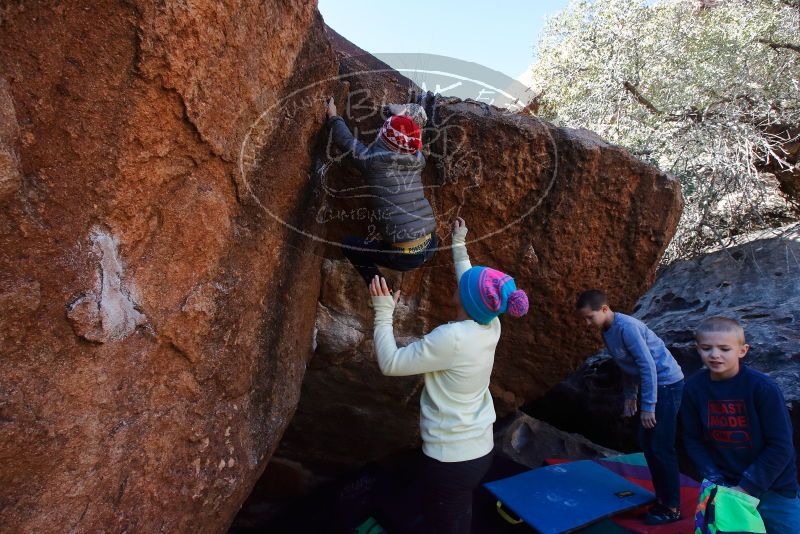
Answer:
(392, 167)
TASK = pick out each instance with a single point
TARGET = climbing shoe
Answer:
(661, 515)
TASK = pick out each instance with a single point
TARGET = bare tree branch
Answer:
(640, 98)
(776, 46)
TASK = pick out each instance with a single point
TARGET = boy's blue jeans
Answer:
(780, 513)
(658, 445)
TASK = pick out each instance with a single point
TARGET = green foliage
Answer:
(709, 91)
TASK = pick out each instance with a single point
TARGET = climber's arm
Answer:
(344, 139)
(460, 256)
(434, 352)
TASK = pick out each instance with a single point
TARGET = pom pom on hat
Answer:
(517, 303)
(486, 293)
(415, 111)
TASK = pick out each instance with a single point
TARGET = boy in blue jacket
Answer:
(644, 359)
(737, 429)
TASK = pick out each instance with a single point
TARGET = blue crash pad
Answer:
(562, 498)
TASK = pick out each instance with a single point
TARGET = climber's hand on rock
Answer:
(331, 108)
(379, 288)
(648, 419)
(630, 408)
(459, 227)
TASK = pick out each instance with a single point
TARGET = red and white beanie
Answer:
(401, 134)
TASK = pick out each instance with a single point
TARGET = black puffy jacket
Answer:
(394, 185)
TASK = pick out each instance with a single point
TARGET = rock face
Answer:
(155, 314)
(530, 442)
(559, 209)
(755, 282)
(589, 402)
(9, 140)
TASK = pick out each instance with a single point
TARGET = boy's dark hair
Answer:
(720, 324)
(592, 299)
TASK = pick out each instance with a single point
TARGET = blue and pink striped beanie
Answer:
(486, 293)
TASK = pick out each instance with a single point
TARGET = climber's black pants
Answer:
(448, 493)
(366, 255)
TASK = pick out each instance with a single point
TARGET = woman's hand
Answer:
(378, 288)
(330, 108)
(459, 227)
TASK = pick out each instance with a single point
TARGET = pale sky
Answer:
(500, 35)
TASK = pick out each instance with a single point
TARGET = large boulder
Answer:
(558, 208)
(155, 313)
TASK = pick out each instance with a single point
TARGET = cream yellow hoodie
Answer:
(456, 358)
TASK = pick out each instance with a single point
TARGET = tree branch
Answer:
(640, 98)
(776, 46)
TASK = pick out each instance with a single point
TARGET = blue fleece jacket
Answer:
(643, 358)
(737, 431)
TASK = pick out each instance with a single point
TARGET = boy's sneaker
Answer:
(661, 515)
